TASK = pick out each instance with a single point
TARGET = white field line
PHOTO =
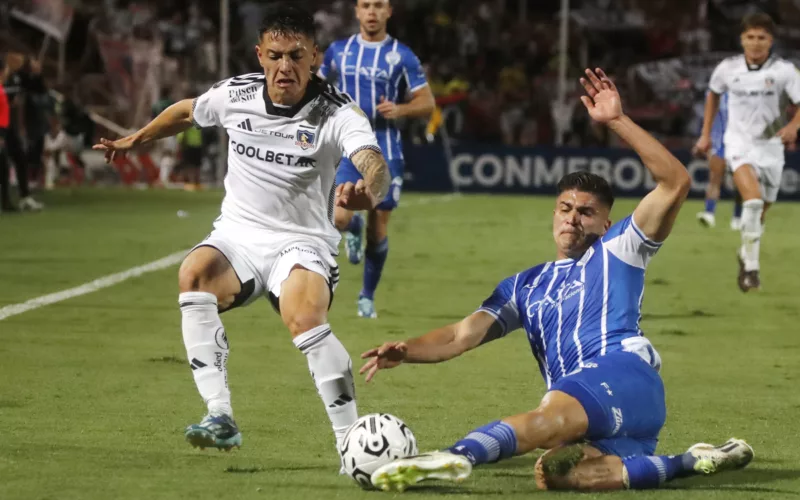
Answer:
(156, 265)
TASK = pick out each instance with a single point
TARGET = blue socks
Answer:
(355, 224)
(375, 257)
(711, 207)
(652, 472)
(488, 444)
(737, 210)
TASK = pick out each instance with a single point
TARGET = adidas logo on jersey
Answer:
(245, 125)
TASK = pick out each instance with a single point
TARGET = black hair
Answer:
(587, 182)
(2, 64)
(287, 20)
(758, 20)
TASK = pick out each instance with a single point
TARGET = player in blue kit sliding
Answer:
(604, 408)
(377, 71)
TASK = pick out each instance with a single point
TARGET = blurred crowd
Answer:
(493, 65)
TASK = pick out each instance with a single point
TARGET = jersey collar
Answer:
(373, 45)
(756, 67)
(313, 89)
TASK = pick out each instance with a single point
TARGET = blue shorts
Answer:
(624, 399)
(347, 173)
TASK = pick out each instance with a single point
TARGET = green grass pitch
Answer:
(95, 391)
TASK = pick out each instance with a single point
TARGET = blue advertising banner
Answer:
(499, 169)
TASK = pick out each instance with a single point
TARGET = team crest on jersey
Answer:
(393, 57)
(305, 139)
(769, 82)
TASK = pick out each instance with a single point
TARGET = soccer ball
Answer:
(372, 441)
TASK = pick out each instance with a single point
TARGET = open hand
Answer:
(389, 355)
(602, 99)
(112, 148)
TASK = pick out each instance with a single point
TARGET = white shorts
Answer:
(767, 159)
(263, 259)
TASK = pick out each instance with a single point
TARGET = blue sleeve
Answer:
(413, 72)
(327, 62)
(502, 305)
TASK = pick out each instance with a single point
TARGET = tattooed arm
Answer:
(369, 191)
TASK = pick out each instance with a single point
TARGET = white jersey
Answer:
(282, 161)
(755, 104)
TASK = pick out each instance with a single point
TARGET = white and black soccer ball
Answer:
(372, 441)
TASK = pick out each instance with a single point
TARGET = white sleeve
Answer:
(792, 88)
(629, 244)
(718, 83)
(352, 131)
(208, 109)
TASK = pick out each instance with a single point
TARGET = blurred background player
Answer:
(377, 71)
(168, 148)
(17, 80)
(716, 172)
(754, 144)
(5, 116)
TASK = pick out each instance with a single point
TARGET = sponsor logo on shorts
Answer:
(617, 419)
(299, 249)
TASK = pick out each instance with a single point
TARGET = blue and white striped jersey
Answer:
(576, 310)
(368, 71)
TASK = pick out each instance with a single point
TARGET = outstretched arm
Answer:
(435, 346)
(172, 121)
(657, 211)
(367, 193)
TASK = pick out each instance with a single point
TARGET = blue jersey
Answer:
(574, 311)
(368, 71)
(718, 129)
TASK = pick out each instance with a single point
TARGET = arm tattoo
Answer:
(373, 168)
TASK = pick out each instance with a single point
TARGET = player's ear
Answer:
(607, 224)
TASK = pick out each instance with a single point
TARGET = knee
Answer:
(194, 279)
(541, 430)
(302, 321)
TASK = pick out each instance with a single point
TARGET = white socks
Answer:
(331, 370)
(751, 233)
(206, 349)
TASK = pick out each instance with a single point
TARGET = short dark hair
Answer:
(287, 20)
(587, 182)
(758, 20)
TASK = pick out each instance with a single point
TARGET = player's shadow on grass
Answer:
(695, 313)
(744, 480)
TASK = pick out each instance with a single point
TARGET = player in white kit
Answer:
(754, 139)
(287, 132)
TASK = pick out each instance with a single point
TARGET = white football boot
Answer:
(706, 219)
(734, 454)
(400, 474)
